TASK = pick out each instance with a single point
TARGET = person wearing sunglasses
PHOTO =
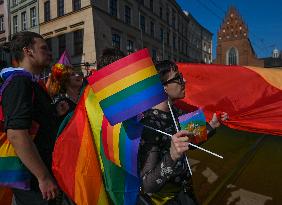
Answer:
(163, 170)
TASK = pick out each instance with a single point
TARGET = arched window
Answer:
(232, 57)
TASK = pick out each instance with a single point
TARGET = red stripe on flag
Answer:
(105, 124)
(110, 141)
(117, 65)
(68, 147)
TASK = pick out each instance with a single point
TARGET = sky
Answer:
(263, 18)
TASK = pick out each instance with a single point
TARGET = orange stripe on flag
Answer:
(89, 187)
(272, 75)
(122, 73)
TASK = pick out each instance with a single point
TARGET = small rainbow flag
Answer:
(128, 87)
(195, 122)
(121, 142)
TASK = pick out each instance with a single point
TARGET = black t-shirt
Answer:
(24, 101)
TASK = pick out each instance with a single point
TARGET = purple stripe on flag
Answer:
(134, 153)
(25, 185)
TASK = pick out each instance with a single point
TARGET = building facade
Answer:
(4, 32)
(275, 61)
(233, 44)
(23, 15)
(160, 25)
(86, 27)
(4, 27)
(68, 25)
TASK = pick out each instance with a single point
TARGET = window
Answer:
(78, 42)
(142, 23)
(116, 40)
(62, 44)
(15, 24)
(24, 21)
(174, 41)
(47, 11)
(49, 43)
(161, 12)
(154, 54)
(161, 34)
(167, 16)
(232, 57)
(127, 15)
(167, 38)
(205, 47)
(179, 44)
(15, 2)
(33, 16)
(152, 5)
(113, 8)
(173, 20)
(2, 25)
(76, 5)
(60, 7)
(130, 46)
(152, 29)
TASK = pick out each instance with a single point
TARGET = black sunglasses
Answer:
(177, 79)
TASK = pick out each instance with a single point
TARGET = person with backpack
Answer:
(26, 103)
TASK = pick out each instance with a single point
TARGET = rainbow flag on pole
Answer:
(195, 122)
(128, 87)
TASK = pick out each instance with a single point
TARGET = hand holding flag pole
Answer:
(177, 129)
(191, 144)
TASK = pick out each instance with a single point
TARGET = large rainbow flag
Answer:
(252, 96)
(76, 163)
(121, 180)
(80, 164)
(128, 87)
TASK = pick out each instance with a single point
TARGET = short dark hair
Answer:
(109, 55)
(19, 41)
(164, 67)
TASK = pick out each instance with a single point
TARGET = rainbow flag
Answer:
(121, 142)
(195, 122)
(128, 87)
(13, 172)
(251, 96)
(122, 187)
(76, 164)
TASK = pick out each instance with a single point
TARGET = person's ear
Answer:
(28, 51)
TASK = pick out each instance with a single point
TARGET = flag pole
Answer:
(191, 144)
(177, 129)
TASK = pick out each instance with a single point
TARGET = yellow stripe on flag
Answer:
(116, 133)
(126, 82)
(7, 150)
(95, 116)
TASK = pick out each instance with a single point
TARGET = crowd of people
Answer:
(163, 169)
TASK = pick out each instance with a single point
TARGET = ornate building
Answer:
(233, 44)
